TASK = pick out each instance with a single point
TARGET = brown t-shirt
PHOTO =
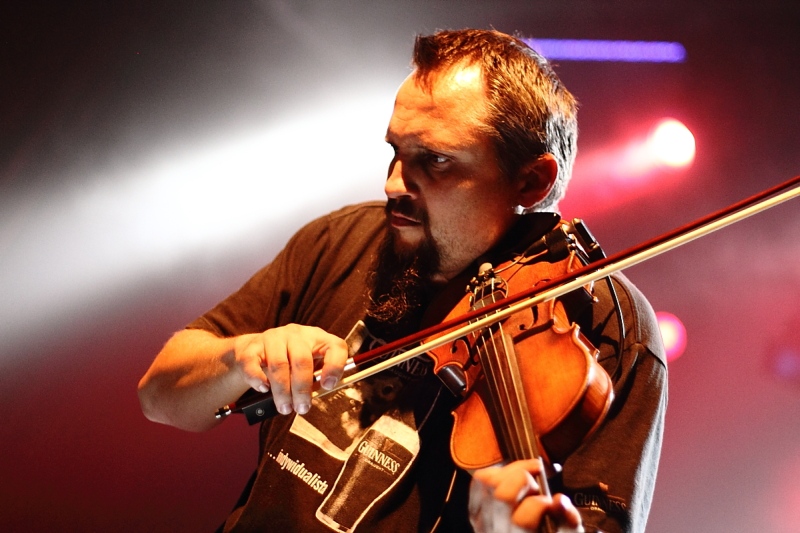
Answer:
(375, 456)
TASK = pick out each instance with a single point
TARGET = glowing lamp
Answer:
(785, 363)
(673, 333)
(783, 355)
(672, 144)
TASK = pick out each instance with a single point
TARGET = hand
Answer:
(507, 499)
(282, 360)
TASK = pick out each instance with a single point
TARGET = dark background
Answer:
(98, 99)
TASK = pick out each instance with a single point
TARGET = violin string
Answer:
(516, 405)
(490, 371)
(503, 377)
(524, 422)
(504, 409)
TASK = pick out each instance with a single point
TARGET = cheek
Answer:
(463, 222)
(475, 212)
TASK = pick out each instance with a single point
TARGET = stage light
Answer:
(783, 356)
(673, 334)
(672, 144)
(88, 239)
(604, 50)
(622, 171)
(785, 363)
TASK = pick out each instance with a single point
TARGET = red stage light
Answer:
(782, 357)
(673, 333)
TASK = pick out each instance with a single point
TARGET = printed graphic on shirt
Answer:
(369, 429)
(598, 499)
(311, 479)
(372, 469)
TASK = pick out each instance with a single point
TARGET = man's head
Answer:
(481, 127)
(530, 111)
(473, 132)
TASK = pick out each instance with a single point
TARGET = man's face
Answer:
(445, 186)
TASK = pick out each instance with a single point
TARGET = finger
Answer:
(513, 481)
(566, 513)
(249, 361)
(278, 370)
(334, 356)
(489, 476)
(301, 364)
(515, 484)
(534, 466)
(530, 511)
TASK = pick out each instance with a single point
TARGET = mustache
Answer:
(404, 207)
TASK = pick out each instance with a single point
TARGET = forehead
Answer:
(444, 106)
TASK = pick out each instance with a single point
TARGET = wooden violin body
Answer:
(553, 390)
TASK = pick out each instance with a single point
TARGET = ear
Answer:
(535, 179)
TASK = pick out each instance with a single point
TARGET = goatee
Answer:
(400, 283)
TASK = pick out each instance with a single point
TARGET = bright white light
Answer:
(74, 246)
(672, 144)
(210, 196)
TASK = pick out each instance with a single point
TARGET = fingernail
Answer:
(263, 388)
(329, 383)
(302, 408)
(285, 409)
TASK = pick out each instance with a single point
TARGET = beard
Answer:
(400, 282)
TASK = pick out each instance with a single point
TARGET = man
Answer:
(484, 136)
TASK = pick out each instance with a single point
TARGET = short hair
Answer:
(530, 111)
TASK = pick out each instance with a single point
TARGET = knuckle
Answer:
(301, 391)
(277, 367)
(294, 329)
(302, 364)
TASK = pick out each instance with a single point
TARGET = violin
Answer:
(531, 384)
(531, 379)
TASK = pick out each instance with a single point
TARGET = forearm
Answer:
(189, 379)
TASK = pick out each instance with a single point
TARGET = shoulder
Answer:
(353, 221)
(365, 210)
(621, 300)
(336, 243)
(640, 318)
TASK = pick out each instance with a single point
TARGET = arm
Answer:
(196, 372)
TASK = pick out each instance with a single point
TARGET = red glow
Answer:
(673, 333)
(627, 169)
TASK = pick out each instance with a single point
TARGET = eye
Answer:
(436, 161)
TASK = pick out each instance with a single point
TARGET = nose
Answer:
(397, 184)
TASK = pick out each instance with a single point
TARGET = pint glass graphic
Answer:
(376, 464)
